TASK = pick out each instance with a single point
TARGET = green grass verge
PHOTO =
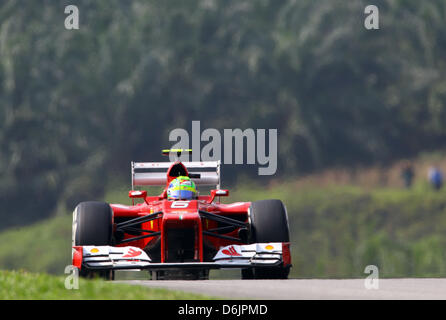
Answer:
(41, 247)
(20, 285)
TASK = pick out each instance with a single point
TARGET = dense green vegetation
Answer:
(20, 285)
(336, 231)
(76, 106)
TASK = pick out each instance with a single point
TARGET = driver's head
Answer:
(181, 188)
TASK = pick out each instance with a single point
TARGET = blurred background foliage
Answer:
(76, 106)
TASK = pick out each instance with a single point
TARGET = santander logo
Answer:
(230, 252)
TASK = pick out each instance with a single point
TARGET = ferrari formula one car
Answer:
(181, 238)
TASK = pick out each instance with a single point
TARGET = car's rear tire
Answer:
(93, 226)
(269, 223)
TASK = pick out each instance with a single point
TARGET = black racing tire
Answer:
(93, 226)
(268, 223)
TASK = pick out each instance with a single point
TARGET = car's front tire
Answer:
(269, 223)
(93, 226)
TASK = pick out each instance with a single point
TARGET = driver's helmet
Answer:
(181, 188)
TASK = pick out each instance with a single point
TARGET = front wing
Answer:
(233, 256)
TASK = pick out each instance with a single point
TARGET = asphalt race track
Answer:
(301, 289)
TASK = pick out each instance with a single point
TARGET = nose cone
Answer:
(181, 231)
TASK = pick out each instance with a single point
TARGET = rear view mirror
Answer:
(218, 193)
(222, 193)
(137, 194)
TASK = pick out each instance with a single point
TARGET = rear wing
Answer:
(206, 173)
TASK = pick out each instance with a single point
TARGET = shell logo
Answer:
(269, 247)
(94, 250)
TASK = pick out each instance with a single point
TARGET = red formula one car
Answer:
(181, 239)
